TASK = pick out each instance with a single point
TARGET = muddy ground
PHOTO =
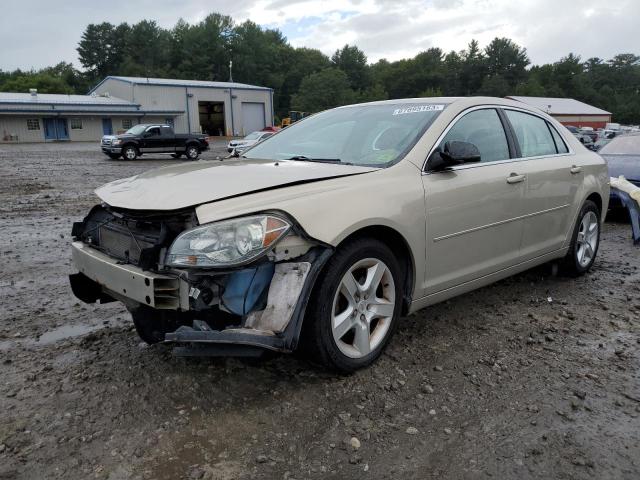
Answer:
(533, 377)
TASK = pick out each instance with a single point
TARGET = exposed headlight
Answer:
(227, 243)
(116, 141)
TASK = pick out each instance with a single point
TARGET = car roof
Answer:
(462, 102)
(628, 141)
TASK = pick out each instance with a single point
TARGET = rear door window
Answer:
(532, 134)
(484, 129)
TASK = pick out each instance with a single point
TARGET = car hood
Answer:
(189, 184)
(627, 165)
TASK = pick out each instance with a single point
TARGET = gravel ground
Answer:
(534, 377)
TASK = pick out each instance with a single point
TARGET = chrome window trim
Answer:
(496, 162)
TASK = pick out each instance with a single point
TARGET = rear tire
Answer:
(584, 241)
(130, 152)
(354, 307)
(192, 152)
(152, 324)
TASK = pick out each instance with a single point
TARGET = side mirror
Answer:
(453, 153)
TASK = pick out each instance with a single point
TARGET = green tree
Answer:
(205, 51)
(353, 62)
(531, 88)
(506, 59)
(301, 62)
(101, 49)
(260, 56)
(373, 93)
(147, 50)
(472, 69)
(43, 82)
(495, 86)
(320, 91)
(565, 73)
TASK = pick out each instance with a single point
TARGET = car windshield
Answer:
(137, 130)
(625, 145)
(253, 136)
(372, 135)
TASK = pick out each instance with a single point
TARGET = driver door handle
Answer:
(515, 178)
(575, 169)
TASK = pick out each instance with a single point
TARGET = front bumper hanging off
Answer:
(275, 327)
(286, 324)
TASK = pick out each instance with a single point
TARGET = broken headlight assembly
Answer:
(227, 243)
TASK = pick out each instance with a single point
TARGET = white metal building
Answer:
(569, 111)
(35, 117)
(213, 108)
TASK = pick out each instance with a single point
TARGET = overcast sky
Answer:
(39, 33)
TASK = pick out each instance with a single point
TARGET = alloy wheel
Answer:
(192, 153)
(587, 240)
(363, 307)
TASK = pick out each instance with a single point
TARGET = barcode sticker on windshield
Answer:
(418, 108)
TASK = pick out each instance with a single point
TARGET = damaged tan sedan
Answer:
(322, 236)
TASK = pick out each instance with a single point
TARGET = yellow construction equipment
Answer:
(293, 117)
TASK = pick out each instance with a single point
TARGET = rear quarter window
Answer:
(561, 147)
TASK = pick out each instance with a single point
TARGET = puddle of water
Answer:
(64, 332)
(61, 333)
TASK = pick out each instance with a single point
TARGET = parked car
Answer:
(589, 132)
(622, 155)
(586, 141)
(250, 140)
(323, 245)
(153, 138)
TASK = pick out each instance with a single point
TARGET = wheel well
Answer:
(399, 246)
(597, 199)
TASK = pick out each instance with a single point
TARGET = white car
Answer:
(248, 141)
(324, 235)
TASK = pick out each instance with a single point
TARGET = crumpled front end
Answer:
(121, 255)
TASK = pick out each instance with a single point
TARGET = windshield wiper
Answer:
(302, 158)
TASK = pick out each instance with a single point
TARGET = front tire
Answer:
(192, 152)
(354, 307)
(584, 241)
(130, 152)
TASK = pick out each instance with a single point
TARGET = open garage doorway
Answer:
(212, 118)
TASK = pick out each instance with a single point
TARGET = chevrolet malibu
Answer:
(320, 237)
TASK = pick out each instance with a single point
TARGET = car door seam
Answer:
(495, 224)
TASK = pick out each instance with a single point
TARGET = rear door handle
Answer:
(576, 169)
(515, 178)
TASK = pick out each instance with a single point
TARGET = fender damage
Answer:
(240, 310)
